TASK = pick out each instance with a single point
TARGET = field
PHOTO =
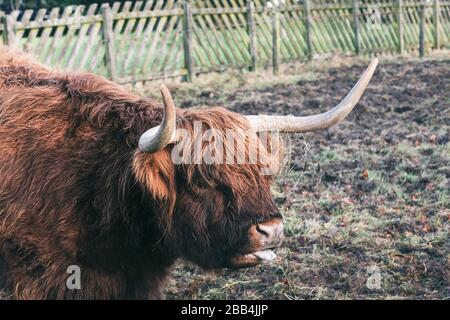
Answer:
(366, 204)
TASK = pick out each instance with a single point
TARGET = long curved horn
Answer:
(319, 121)
(159, 137)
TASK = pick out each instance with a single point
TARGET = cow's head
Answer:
(218, 211)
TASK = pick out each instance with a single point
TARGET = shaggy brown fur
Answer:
(75, 190)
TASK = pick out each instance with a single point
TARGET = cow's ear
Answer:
(156, 173)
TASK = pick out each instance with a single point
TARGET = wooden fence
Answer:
(146, 40)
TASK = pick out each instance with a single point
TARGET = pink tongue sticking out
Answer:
(265, 255)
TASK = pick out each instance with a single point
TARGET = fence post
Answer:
(9, 35)
(356, 28)
(108, 36)
(436, 14)
(307, 8)
(252, 33)
(422, 29)
(275, 41)
(401, 40)
(187, 41)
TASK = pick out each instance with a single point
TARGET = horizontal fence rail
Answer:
(138, 41)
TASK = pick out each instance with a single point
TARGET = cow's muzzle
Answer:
(263, 238)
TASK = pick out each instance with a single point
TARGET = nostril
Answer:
(263, 230)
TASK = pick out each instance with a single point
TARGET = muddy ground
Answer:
(366, 203)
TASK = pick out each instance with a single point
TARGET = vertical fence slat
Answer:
(187, 40)
(436, 18)
(400, 21)
(356, 27)
(252, 34)
(308, 26)
(9, 37)
(108, 35)
(275, 41)
(422, 9)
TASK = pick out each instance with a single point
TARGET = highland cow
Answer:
(87, 179)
